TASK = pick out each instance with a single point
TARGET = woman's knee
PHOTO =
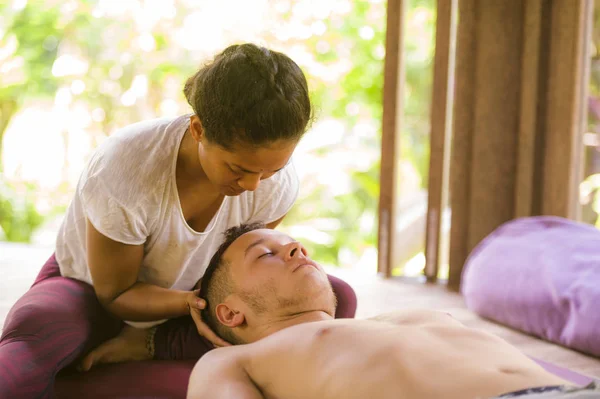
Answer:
(50, 305)
(25, 370)
(59, 313)
(47, 329)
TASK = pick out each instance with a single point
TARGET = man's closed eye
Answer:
(265, 254)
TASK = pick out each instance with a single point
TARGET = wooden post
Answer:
(390, 134)
(534, 58)
(565, 118)
(462, 132)
(441, 123)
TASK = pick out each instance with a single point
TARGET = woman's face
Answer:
(242, 168)
(239, 170)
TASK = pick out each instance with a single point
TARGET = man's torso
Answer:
(418, 355)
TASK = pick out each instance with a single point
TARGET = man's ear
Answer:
(228, 316)
(196, 128)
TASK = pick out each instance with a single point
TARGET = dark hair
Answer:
(250, 95)
(216, 283)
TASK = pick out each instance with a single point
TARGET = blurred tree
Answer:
(28, 48)
(119, 67)
(355, 41)
(18, 216)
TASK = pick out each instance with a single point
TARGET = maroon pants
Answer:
(60, 319)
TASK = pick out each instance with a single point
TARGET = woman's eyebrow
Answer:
(244, 169)
(255, 173)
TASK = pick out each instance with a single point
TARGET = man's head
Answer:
(259, 277)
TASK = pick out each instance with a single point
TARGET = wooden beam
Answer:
(393, 89)
(565, 118)
(462, 138)
(533, 60)
(486, 122)
(496, 117)
(441, 123)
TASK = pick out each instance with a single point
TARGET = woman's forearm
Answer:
(146, 302)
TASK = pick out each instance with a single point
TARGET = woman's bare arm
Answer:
(275, 223)
(114, 267)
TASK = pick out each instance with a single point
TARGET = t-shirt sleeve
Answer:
(109, 202)
(276, 196)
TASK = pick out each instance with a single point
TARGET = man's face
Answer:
(273, 274)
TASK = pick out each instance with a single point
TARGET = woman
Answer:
(149, 211)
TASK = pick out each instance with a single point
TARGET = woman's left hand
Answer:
(196, 305)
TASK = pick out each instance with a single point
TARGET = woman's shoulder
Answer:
(135, 161)
(138, 150)
(143, 140)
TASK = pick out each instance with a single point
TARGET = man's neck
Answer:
(283, 322)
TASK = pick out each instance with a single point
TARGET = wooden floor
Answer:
(19, 266)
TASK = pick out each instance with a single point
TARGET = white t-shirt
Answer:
(128, 192)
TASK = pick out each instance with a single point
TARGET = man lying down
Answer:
(263, 290)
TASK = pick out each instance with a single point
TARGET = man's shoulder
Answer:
(224, 355)
(219, 360)
(222, 374)
(415, 316)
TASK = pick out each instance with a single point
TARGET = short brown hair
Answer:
(217, 283)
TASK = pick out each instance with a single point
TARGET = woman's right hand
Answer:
(196, 305)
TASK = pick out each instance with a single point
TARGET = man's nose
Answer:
(249, 182)
(295, 250)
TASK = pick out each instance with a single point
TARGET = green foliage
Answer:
(31, 37)
(347, 219)
(37, 33)
(359, 39)
(355, 98)
(351, 41)
(18, 215)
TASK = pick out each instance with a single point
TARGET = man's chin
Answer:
(316, 298)
(314, 284)
(309, 278)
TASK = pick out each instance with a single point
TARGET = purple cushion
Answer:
(540, 275)
(169, 379)
(149, 379)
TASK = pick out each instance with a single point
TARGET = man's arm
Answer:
(220, 374)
